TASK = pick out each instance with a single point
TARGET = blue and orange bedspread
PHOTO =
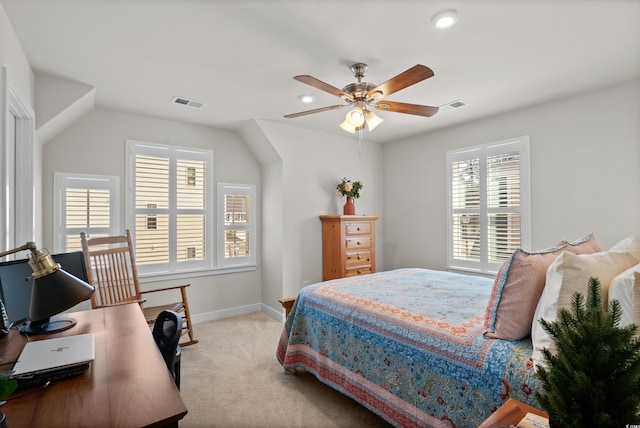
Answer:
(408, 345)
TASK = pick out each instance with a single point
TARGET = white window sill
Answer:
(474, 272)
(161, 276)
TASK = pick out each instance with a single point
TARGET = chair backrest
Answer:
(111, 269)
(166, 332)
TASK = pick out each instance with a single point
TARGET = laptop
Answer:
(53, 359)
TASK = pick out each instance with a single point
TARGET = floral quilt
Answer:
(408, 344)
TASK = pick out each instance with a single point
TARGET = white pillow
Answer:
(629, 245)
(569, 274)
(625, 288)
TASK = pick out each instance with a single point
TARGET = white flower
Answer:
(349, 188)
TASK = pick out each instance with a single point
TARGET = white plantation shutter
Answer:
(192, 210)
(465, 201)
(171, 196)
(503, 205)
(488, 204)
(236, 224)
(84, 204)
(152, 209)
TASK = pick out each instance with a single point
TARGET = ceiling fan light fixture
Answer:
(361, 95)
(345, 125)
(372, 120)
(355, 117)
(445, 19)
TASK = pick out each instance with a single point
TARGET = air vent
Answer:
(187, 102)
(453, 105)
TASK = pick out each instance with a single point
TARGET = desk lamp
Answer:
(52, 292)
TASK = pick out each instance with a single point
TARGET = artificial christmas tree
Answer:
(593, 378)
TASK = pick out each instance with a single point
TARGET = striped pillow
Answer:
(518, 287)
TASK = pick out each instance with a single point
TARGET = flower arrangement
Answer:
(349, 188)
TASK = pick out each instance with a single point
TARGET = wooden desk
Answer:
(128, 384)
(510, 413)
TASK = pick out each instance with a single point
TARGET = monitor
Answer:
(72, 263)
(16, 282)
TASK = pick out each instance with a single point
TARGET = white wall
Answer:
(302, 184)
(96, 145)
(585, 173)
(15, 68)
(13, 58)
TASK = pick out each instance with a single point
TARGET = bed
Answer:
(408, 344)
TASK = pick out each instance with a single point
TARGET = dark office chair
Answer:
(166, 332)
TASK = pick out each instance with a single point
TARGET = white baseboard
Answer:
(239, 310)
(277, 315)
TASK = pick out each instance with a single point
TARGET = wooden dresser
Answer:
(348, 245)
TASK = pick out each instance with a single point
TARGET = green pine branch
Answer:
(593, 378)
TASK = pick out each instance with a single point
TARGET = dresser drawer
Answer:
(358, 228)
(348, 245)
(358, 242)
(360, 270)
(358, 258)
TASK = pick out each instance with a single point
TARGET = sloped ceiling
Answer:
(239, 57)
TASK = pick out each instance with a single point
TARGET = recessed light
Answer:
(445, 19)
(306, 98)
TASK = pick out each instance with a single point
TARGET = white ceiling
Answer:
(239, 56)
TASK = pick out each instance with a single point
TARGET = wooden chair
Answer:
(111, 268)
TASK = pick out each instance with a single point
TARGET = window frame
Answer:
(236, 189)
(61, 182)
(483, 151)
(173, 153)
(19, 214)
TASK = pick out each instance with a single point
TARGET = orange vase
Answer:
(349, 207)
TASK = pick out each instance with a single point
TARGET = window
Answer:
(170, 199)
(84, 203)
(236, 224)
(488, 204)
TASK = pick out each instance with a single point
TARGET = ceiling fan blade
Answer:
(312, 81)
(415, 74)
(416, 109)
(317, 110)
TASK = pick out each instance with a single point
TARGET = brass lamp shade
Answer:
(53, 291)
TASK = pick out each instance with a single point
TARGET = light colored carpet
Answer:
(233, 379)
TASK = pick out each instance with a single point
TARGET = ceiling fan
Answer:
(362, 94)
